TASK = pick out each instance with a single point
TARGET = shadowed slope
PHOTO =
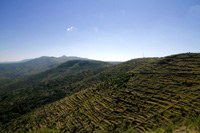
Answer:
(21, 101)
(64, 69)
(34, 66)
(158, 94)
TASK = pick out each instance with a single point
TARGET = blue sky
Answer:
(109, 30)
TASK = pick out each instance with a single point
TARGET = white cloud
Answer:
(71, 28)
(96, 29)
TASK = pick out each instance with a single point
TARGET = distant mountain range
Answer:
(140, 95)
(11, 62)
(61, 81)
(70, 67)
(32, 66)
(64, 57)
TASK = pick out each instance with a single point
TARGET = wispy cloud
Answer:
(71, 28)
(96, 29)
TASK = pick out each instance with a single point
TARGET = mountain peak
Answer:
(64, 56)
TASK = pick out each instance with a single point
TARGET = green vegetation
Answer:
(191, 123)
(160, 95)
(45, 131)
(64, 69)
(16, 70)
(20, 101)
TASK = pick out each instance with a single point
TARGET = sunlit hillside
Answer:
(156, 95)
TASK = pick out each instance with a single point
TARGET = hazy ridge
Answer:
(32, 66)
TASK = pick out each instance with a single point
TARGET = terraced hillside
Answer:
(158, 94)
(21, 101)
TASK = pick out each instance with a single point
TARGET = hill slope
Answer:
(18, 102)
(158, 94)
(16, 70)
(64, 69)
